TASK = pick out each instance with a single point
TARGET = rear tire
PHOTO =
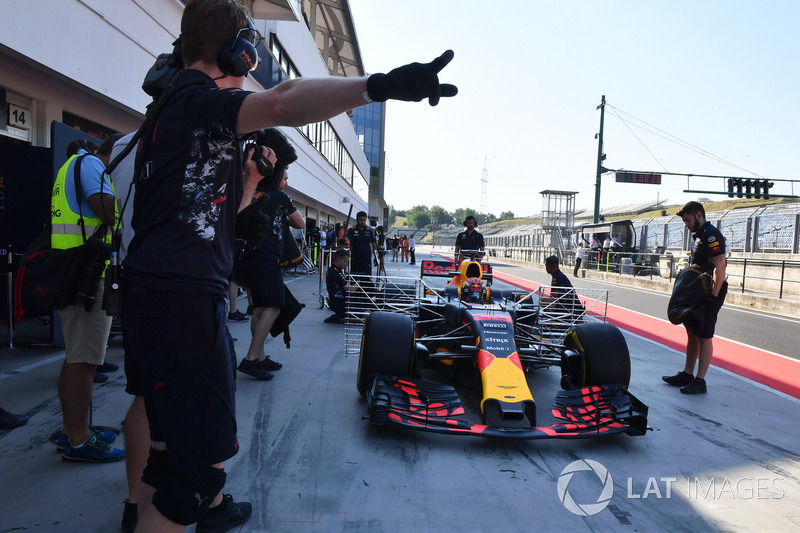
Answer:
(602, 357)
(388, 346)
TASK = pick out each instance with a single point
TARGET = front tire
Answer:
(599, 356)
(388, 347)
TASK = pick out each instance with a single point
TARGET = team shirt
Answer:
(185, 212)
(360, 249)
(277, 208)
(708, 243)
(467, 241)
(560, 279)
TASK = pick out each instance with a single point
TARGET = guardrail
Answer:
(778, 277)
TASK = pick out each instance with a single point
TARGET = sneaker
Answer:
(696, 386)
(130, 515)
(270, 365)
(333, 319)
(92, 451)
(679, 380)
(108, 367)
(237, 316)
(254, 368)
(106, 436)
(99, 377)
(228, 514)
(10, 420)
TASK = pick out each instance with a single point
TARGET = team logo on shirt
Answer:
(205, 185)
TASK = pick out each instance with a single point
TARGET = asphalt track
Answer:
(725, 461)
(775, 370)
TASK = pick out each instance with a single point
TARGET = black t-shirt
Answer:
(335, 282)
(465, 241)
(185, 211)
(560, 279)
(361, 249)
(708, 242)
(277, 208)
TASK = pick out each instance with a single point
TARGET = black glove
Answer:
(709, 301)
(412, 82)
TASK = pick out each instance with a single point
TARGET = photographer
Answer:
(257, 267)
(85, 324)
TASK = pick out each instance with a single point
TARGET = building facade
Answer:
(82, 63)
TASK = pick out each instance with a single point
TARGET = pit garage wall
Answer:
(88, 58)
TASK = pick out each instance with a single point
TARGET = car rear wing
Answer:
(449, 269)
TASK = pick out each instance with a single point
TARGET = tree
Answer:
(461, 213)
(439, 216)
(418, 219)
(506, 215)
(392, 217)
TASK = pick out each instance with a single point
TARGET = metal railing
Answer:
(782, 281)
(368, 294)
(778, 277)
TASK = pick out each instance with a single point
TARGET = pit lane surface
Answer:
(753, 344)
(725, 461)
(759, 329)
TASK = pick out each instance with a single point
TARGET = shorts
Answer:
(263, 280)
(135, 382)
(86, 332)
(711, 316)
(181, 363)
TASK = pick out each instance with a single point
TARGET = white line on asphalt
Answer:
(32, 366)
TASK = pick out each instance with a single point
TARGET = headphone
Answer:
(239, 56)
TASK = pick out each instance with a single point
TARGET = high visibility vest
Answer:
(66, 227)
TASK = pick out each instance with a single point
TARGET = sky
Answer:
(698, 87)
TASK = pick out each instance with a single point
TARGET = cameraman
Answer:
(182, 251)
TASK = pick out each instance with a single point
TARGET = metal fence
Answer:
(395, 294)
(763, 229)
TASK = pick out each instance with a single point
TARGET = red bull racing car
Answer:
(466, 329)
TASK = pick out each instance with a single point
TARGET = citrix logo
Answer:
(585, 509)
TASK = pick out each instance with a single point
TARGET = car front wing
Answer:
(426, 406)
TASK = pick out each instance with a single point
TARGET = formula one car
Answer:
(467, 328)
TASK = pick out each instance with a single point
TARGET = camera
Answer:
(112, 294)
(94, 261)
(263, 165)
(166, 68)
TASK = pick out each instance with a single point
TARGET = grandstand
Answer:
(627, 210)
(765, 229)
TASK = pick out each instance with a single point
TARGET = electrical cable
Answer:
(673, 139)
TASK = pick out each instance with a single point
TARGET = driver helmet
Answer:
(473, 290)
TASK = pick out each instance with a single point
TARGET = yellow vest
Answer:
(66, 231)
